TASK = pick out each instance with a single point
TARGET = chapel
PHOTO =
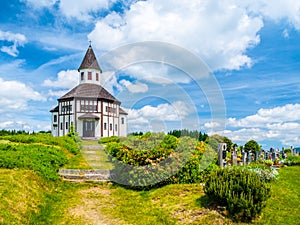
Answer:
(89, 108)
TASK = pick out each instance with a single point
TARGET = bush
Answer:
(68, 142)
(46, 160)
(242, 192)
(292, 160)
(155, 158)
(265, 173)
(105, 140)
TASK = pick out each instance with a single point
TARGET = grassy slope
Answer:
(26, 198)
(21, 194)
(172, 204)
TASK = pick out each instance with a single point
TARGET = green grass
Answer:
(22, 192)
(32, 201)
(27, 198)
(284, 205)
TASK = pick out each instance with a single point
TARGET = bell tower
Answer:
(89, 70)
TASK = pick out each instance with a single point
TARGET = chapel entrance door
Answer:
(88, 128)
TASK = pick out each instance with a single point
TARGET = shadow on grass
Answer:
(211, 204)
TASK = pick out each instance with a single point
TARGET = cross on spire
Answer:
(90, 43)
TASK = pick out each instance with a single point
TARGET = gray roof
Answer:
(87, 90)
(90, 61)
(123, 112)
(89, 116)
(55, 109)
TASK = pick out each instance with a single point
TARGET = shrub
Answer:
(269, 162)
(292, 160)
(163, 159)
(105, 140)
(68, 142)
(46, 160)
(242, 192)
(265, 173)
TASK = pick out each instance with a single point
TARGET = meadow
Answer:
(31, 192)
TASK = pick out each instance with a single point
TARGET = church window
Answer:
(122, 120)
(82, 76)
(89, 75)
(105, 126)
(110, 126)
(97, 77)
(67, 125)
(61, 126)
(55, 118)
(116, 127)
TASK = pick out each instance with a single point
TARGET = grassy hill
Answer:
(32, 193)
(22, 193)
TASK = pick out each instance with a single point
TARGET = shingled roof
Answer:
(88, 90)
(90, 61)
(122, 111)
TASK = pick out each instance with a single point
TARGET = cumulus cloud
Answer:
(65, 79)
(136, 87)
(287, 113)
(17, 40)
(275, 10)
(166, 112)
(82, 10)
(15, 95)
(218, 32)
(278, 124)
(157, 73)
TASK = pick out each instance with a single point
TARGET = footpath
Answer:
(96, 158)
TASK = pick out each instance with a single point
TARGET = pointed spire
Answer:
(90, 61)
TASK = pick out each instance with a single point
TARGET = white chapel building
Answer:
(88, 107)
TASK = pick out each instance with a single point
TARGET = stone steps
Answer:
(76, 175)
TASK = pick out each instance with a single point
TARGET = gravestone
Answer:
(257, 154)
(273, 155)
(267, 155)
(244, 156)
(234, 157)
(222, 154)
(249, 157)
(263, 154)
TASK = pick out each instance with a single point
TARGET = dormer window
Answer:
(89, 75)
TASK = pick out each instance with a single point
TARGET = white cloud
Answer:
(275, 10)
(140, 118)
(17, 40)
(65, 79)
(287, 113)
(40, 3)
(15, 95)
(157, 73)
(56, 93)
(136, 87)
(285, 34)
(278, 124)
(216, 31)
(220, 32)
(81, 10)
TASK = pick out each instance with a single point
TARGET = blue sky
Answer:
(251, 49)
